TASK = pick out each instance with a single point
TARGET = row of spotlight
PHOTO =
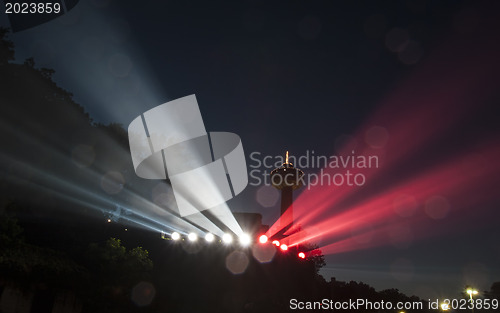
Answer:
(244, 239)
(263, 239)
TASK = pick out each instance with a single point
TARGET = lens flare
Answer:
(237, 262)
(263, 253)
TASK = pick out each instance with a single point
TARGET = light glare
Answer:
(227, 238)
(209, 237)
(284, 247)
(263, 239)
(192, 237)
(245, 239)
(175, 236)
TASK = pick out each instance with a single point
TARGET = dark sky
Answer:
(285, 75)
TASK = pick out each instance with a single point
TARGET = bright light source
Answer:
(445, 306)
(245, 240)
(302, 255)
(109, 220)
(276, 243)
(175, 236)
(209, 237)
(227, 238)
(284, 247)
(192, 237)
(263, 239)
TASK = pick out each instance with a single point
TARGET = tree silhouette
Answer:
(115, 271)
(6, 47)
(494, 292)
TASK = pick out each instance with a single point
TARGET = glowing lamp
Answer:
(472, 291)
(175, 236)
(192, 237)
(227, 238)
(245, 240)
(263, 239)
(209, 237)
(284, 247)
(302, 255)
(276, 243)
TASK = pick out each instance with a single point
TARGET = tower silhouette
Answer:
(286, 178)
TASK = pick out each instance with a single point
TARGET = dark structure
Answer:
(251, 223)
(286, 178)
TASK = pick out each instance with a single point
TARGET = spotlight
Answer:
(227, 238)
(302, 255)
(209, 237)
(276, 243)
(284, 247)
(263, 239)
(175, 236)
(192, 237)
(245, 240)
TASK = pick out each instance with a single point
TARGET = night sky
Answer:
(303, 76)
